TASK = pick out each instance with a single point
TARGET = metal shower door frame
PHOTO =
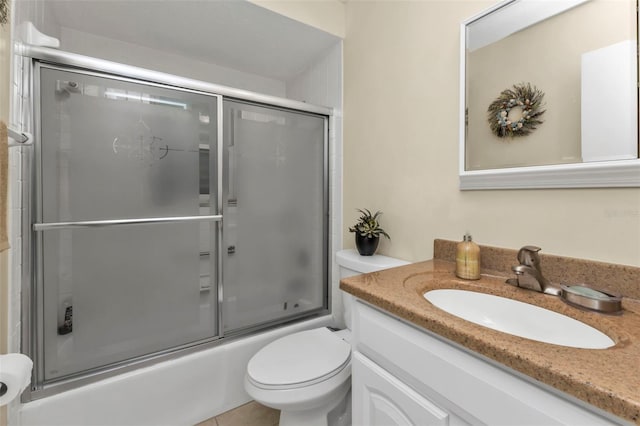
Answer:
(326, 214)
(53, 58)
(33, 227)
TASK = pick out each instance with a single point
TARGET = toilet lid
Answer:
(299, 359)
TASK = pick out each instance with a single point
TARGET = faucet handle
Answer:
(528, 255)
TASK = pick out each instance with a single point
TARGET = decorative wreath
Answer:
(524, 97)
(4, 11)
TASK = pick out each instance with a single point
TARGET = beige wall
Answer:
(327, 15)
(401, 149)
(5, 85)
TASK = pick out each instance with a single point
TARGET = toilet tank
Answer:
(350, 263)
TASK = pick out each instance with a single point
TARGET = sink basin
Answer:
(518, 318)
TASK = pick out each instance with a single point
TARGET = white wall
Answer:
(326, 15)
(401, 149)
(5, 89)
(75, 41)
(11, 264)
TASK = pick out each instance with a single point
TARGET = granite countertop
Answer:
(606, 378)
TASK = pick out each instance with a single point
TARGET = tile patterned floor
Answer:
(250, 414)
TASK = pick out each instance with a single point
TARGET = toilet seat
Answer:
(299, 360)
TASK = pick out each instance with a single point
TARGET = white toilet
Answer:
(307, 375)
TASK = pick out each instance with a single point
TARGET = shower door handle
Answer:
(118, 222)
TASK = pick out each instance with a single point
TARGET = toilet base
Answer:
(341, 414)
(336, 412)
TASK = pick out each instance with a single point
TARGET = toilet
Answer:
(307, 375)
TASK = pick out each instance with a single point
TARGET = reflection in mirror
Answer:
(580, 56)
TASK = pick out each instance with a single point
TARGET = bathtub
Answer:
(182, 391)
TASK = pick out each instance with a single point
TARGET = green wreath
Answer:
(4, 11)
(524, 97)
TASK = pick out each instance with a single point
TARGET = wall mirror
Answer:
(549, 95)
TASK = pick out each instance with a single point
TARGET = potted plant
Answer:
(368, 232)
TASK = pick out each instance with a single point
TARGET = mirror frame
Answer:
(601, 174)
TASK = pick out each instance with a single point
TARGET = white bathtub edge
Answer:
(183, 391)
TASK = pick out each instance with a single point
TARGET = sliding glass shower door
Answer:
(126, 211)
(276, 214)
(130, 258)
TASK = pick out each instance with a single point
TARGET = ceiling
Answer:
(231, 33)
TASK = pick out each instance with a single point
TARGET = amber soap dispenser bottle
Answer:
(468, 259)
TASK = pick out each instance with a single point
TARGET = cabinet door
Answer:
(380, 399)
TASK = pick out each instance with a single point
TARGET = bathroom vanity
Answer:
(416, 364)
(403, 375)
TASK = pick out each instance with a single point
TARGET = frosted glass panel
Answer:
(133, 291)
(274, 229)
(113, 149)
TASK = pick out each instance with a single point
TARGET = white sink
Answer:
(518, 318)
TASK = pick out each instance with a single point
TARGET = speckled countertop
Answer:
(606, 378)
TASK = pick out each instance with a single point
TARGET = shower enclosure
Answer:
(165, 217)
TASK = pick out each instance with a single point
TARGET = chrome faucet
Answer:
(529, 273)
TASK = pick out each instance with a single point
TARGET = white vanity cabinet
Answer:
(382, 399)
(403, 375)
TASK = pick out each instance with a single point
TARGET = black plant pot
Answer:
(366, 245)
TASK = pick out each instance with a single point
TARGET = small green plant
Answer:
(368, 225)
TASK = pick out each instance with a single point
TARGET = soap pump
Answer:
(468, 259)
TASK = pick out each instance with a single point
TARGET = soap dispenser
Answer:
(468, 259)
